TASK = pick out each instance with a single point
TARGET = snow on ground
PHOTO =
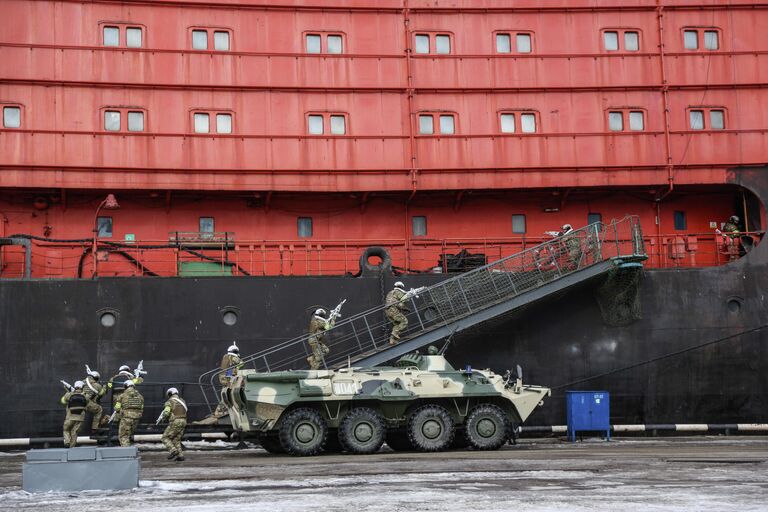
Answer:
(610, 477)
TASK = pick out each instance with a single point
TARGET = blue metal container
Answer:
(588, 410)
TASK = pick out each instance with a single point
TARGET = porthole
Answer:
(734, 304)
(229, 315)
(107, 318)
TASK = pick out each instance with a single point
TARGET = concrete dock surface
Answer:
(670, 474)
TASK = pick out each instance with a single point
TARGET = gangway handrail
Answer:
(543, 263)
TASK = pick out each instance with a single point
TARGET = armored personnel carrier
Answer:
(422, 404)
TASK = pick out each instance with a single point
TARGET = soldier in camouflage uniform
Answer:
(117, 382)
(573, 246)
(93, 391)
(130, 407)
(317, 327)
(75, 402)
(175, 410)
(229, 366)
(731, 236)
(395, 311)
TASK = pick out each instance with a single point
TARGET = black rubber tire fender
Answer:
(303, 432)
(362, 431)
(487, 427)
(430, 428)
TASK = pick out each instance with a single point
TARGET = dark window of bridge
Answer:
(594, 218)
(104, 226)
(304, 226)
(518, 224)
(419, 225)
(681, 223)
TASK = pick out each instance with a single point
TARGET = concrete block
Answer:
(80, 469)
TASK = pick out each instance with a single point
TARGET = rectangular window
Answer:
(422, 43)
(335, 44)
(636, 122)
(419, 225)
(615, 121)
(313, 43)
(711, 40)
(447, 125)
(518, 224)
(304, 226)
(338, 125)
(426, 125)
(507, 123)
(199, 40)
(11, 117)
(135, 121)
(223, 123)
(221, 41)
(315, 123)
(442, 44)
(611, 40)
(503, 43)
(594, 218)
(112, 120)
(691, 39)
(523, 42)
(133, 37)
(202, 123)
(681, 224)
(631, 41)
(528, 123)
(207, 225)
(104, 227)
(697, 119)
(111, 36)
(716, 120)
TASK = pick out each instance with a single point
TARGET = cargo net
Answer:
(449, 301)
(619, 297)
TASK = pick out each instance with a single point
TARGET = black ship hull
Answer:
(679, 363)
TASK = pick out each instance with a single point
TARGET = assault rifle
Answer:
(139, 370)
(113, 416)
(89, 371)
(160, 418)
(67, 385)
(336, 312)
(414, 292)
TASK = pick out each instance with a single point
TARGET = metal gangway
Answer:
(463, 301)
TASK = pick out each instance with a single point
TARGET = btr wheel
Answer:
(487, 427)
(398, 441)
(271, 444)
(430, 428)
(303, 432)
(362, 431)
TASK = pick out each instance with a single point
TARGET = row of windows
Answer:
(116, 120)
(439, 43)
(304, 225)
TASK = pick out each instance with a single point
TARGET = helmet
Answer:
(128, 384)
(734, 219)
(172, 391)
(233, 348)
(78, 384)
(399, 284)
(566, 228)
(124, 368)
(95, 375)
(320, 312)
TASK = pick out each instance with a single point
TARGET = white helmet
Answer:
(233, 348)
(78, 384)
(172, 391)
(400, 285)
(566, 228)
(128, 383)
(320, 312)
(124, 368)
(734, 219)
(96, 375)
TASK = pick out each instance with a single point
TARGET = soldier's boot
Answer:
(180, 458)
(172, 455)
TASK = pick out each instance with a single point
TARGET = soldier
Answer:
(731, 228)
(130, 406)
(395, 311)
(317, 327)
(572, 245)
(731, 237)
(175, 410)
(116, 384)
(230, 363)
(75, 402)
(93, 391)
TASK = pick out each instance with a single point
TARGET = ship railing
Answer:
(455, 298)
